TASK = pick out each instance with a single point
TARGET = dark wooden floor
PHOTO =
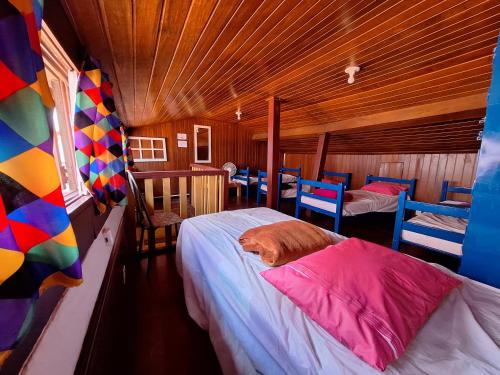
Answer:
(164, 340)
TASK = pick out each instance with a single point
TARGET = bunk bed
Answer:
(243, 178)
(286, 176)
(362, 201)
(336, 177)
(255, 329)
(435, 227)
(447, 189)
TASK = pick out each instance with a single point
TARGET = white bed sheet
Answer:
(428, 219)
(256, 329)
(362, 203)
(456, 203)
(253, 180)
(288, 193)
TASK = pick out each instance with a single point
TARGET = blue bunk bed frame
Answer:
(446, 188)
(262, 174)
(408, 205)
(244, 175)
(339, 201)
(346, 176)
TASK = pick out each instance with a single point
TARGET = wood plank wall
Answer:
(230, 142)
(429, 169)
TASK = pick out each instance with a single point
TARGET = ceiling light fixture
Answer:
(351, 70)
(238, 114)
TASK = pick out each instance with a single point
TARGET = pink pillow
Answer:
(370, 298)
(331, 181)
(327, 193)
(385, 188)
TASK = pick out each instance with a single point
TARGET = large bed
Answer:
(255, 329)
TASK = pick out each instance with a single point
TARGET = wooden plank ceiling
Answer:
(172, 60)
(445, 137)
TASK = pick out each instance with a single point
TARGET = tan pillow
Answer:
(282, 242)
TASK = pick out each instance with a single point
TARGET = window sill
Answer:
(74, 205)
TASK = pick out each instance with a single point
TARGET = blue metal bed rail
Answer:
(346, 176)
(407, 205)
(411, 182)
(339, 201)
(446, 188)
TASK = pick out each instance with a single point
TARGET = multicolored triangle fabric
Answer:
(37, 244)
(127, 155)
(98, 138)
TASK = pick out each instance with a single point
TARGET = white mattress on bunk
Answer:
(456, 203)
(256, 329)
(288, 193)
(253, 180)
(362, 203)
(428, 219)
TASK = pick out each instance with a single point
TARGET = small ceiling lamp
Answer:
(238, 114)
(351, 70)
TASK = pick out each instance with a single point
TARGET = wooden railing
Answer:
(208, 189)
(209, 192)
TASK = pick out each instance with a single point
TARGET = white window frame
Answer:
(62, 76)
(141, 159)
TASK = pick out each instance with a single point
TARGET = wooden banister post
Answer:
(225, 191)
(273, 151)
(321, 152)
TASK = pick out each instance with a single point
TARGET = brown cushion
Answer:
(282, 242)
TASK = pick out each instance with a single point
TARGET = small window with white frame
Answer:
(62, 78)
(148, 149)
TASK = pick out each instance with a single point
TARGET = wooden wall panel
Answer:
(229, 143)
(429, 169)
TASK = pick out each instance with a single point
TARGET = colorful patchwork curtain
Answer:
(127, 155)
(98, 138)
(37, 244)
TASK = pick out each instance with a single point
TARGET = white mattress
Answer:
(288, 193)
(456, 203)
(253, 180)
(288, 178)
(256, 329)
(428, 219)
(362, 203)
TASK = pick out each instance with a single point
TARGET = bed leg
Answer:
(151, 248)
(337, 224)
(141, 241)
(400, 216)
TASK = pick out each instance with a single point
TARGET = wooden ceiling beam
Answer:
(471, 102)
(321, 151)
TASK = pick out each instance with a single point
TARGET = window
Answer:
(148, 149)
(62, 79)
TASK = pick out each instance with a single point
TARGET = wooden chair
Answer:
(150, 222)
